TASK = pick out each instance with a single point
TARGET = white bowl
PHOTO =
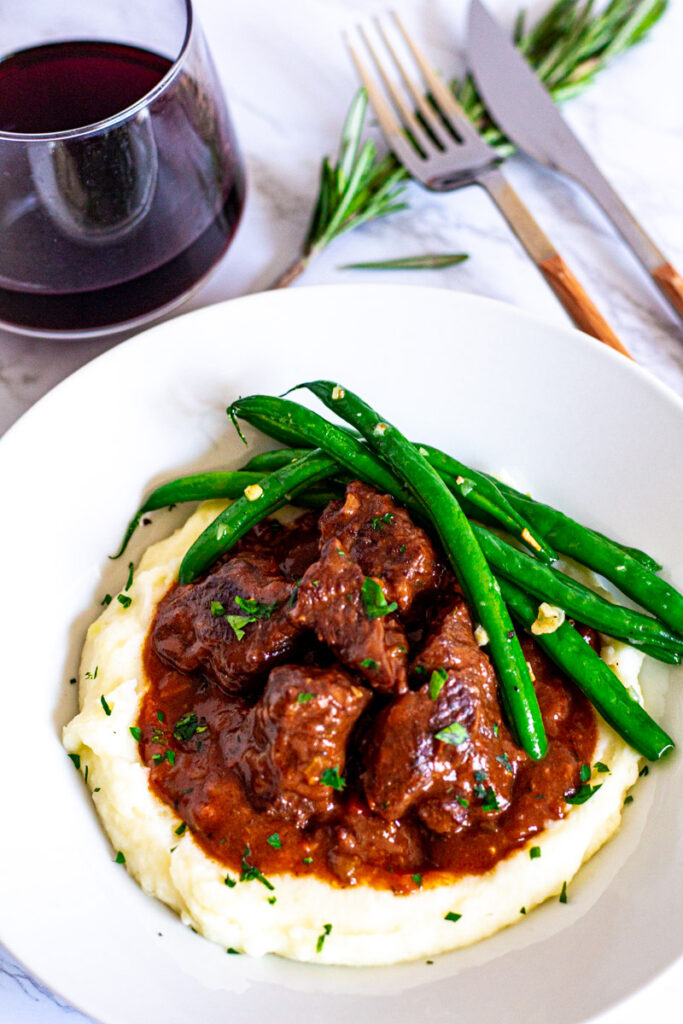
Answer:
(572, 421)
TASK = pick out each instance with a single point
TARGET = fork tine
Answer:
(410, 122)
(430, 118)
(449, 106)
(388, 123)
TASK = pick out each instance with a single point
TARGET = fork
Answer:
(436, 142)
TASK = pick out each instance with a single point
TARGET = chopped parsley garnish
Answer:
(92, 675)
(585, 773)
(602, 768)
(76, 758)
(463, 801)
(374, 601)
(455, 734)
(186, 727)
(255, 609)
(490, 802)
(233, 951)
(418, 880)
(73, 681)
(369, 663)
(495, 729)
(583, 793)
(160, 716)
(480, 776)
(136, 732)
(563, 894)
(120, 859)
(272, 900)
(251, 873)
(505, 761)
(106, 600)
(522, 910)
(181, 828)
(643, 771)
(129, 581)
(238, 622)
(307, 860)
(124, 600)
(217, 608)
(303, 698)
(535, 852)
(479, 790)
(331, 777)
(170, 756)
(230, 882)
(451, 916)
(103, 702)
(274, 841)
(378, 522)
(402, 549)
(628, 800)
(327, 928)
(436, 682)
(85, 776)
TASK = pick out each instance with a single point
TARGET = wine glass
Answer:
(121, 184)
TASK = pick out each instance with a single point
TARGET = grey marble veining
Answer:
(289, 83)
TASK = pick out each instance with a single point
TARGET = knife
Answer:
(520, 104)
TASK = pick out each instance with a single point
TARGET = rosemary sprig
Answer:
(568, 46)
(360, 187)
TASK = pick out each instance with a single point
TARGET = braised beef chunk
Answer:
(444, 748)
(330, 600)
(293, 742)
(191, 631)
(294, 545)
(385, 542)
(365, 839)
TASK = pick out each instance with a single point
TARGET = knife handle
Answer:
(580, 307)
(670, 284)
(578, 303)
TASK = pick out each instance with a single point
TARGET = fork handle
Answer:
(670, 284)
(578, 304)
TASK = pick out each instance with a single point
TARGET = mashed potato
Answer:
(310, 919)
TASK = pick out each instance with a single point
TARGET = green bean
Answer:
(284, 419)
(579, 602)
(266, 462)
(487, 497)
(464, 554)
(606, 557)
(563, 526)
(204, 486)
(275, 490)
(198, 487)
(595, 679)
(291, 423)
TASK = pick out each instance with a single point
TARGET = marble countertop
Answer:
(289, 83)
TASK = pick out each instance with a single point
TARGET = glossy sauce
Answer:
(209, 796)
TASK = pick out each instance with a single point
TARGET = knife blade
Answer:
(520, 104)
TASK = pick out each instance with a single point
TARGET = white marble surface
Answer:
(289, 83)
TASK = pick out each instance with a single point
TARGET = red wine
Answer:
(110, 223)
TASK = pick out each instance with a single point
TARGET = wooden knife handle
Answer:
(670, 283)
(578, 304)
